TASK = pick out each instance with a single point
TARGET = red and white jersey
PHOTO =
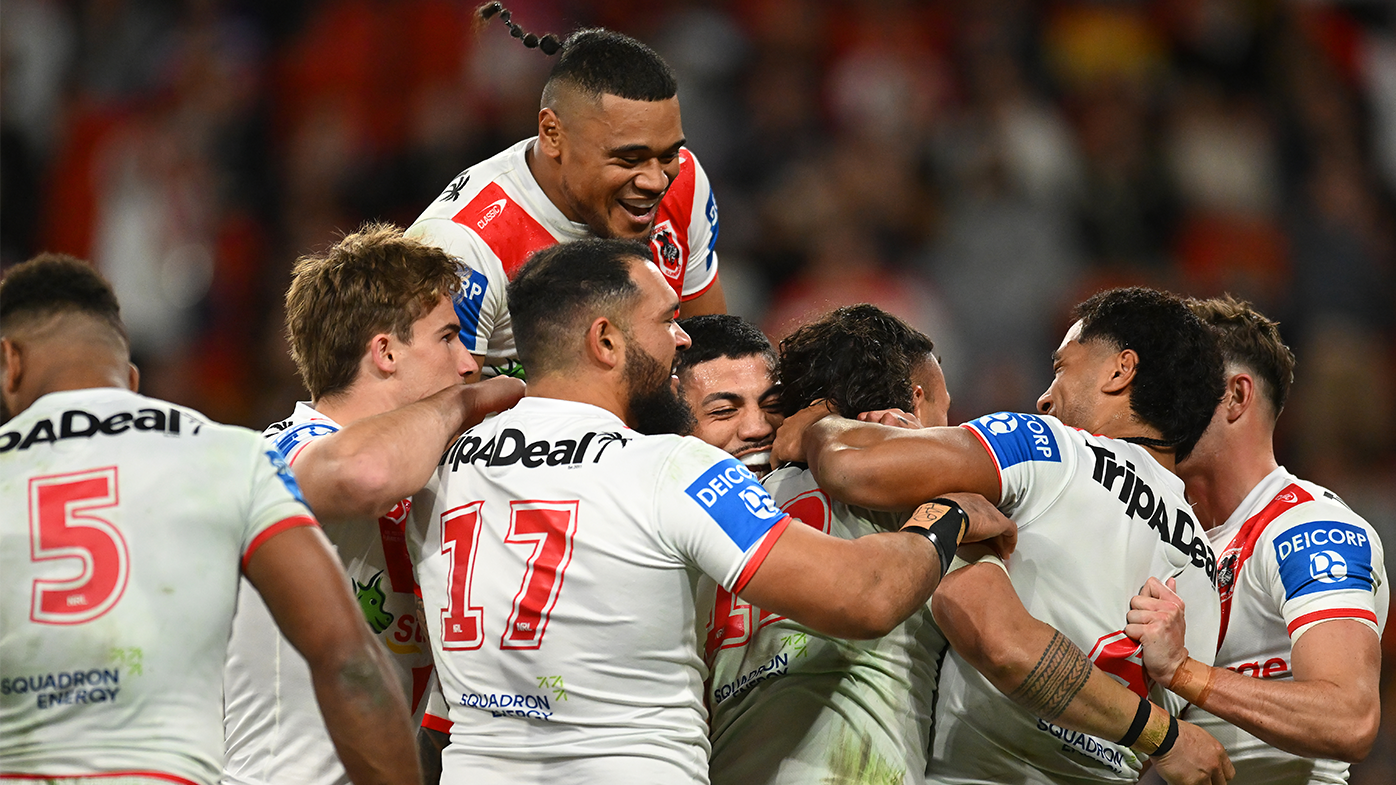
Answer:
(558, 553)
(1096, 518)
(275, 732)
(1292, 556)
(127, 522)
(792, 706)
(494, 216)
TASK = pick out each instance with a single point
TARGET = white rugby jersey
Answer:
(790, 705)
(275, 732)
(494, 216)
(1292, 556)
(127, 521)
(1096, 518)
(558, 553)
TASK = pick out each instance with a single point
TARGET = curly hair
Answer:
(717, 335)
(53, 283)
(859, 357)
(1179, 379)
(1252, 341)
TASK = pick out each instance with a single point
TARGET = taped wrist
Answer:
(943, 522)
(1169, 739)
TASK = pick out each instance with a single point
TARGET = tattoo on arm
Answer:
(1054, 682)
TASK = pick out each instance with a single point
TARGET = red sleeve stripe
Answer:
(760, 556)
(1332, 613)
(273, 530)
(990, 450)
(439, 724)
(153, 775)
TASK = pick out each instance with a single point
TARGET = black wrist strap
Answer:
(1168, 738)
(1141, 718)
(942, 522)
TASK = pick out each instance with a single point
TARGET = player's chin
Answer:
(625, 225)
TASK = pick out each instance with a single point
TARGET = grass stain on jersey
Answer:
(371, 599)
(853, 761)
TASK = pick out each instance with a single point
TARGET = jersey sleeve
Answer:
(275, 503)
(715, 515)
(481, 305)
(701, 268)
(1325, 567)
(1028, 451)
(290, 441)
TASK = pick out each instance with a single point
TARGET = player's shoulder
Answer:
(1017, 437)
(1314, 512)
(303, 426)
(467, 187)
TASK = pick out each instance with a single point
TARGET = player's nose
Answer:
(1044, 402)
(652, 178)
(681, 339)
(465, 361)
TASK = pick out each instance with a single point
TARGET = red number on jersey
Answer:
(730, 623)
(1118, 656)
(62, 526)
(549, 528)
(462, 625)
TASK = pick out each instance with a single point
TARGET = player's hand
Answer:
(1196, 759)
(789, 445)
(1156, 621)
(491, 396)
(893, 417)
(986, 524)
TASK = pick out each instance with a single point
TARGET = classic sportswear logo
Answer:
(730, 494)
(1324, 556)
(491, 212)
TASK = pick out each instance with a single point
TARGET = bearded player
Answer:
(1294, 694)
(609, 161)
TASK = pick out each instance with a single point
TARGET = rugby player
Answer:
(1294, 693)
(728, 378)
(376, 340)
(559, 543)
(1098, 514)
(139, 516)
(609, 161)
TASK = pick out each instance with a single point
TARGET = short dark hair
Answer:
(374, 280)
(597, 62)
(53, 283)
(561, 289)
(1179, 379)
(1252, 341)
(717, 335)
(859, 357)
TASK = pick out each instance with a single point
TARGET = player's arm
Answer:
(369, 466)
(1330, 710)
(712, 300)
(306, 590)
(863, 588)
(883, 467)
(1041, 670)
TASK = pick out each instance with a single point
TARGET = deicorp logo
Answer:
(1324, 556)
(732, 496)
(1016, 438)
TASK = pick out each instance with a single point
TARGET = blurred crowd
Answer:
(975, 166)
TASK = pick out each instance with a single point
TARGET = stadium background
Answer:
(975, 166)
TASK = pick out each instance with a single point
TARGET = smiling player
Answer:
(609, 161)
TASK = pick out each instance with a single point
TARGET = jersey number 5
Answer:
(63, 525)
(1119, 656)
(548, 528)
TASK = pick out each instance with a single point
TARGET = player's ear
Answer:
(12, 363)
(1126, 363)
(1240, 395)
(133, 377)
(605, 343)
(549, 133)
(380, 354)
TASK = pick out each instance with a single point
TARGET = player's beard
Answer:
(654, 406)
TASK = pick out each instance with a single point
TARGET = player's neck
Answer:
(581, 390)
(547, 174)
(354, 404)
(1122, 424)
(1218, 481)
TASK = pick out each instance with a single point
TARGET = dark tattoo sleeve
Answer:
(1055, 680)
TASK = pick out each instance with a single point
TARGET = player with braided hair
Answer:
(609, 161)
